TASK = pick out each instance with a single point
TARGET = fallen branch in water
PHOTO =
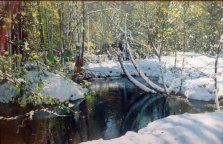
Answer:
(30, 114)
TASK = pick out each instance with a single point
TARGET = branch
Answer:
(102, 10)
(30, 114)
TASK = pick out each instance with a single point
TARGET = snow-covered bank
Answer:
(198, 74)
(56, 86)
(53, 85)
(205, 128)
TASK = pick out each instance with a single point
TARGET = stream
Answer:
(117, 107)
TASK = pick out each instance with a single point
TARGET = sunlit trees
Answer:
(61, 32)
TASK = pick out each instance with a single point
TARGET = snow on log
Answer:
(133, 80)
(141, 74)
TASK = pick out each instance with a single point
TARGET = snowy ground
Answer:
(54, 86)
(198, 73)
(206, 128)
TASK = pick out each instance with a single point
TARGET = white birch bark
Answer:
(133, 80)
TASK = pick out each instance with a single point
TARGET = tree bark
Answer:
(40, 25)
(82, 30)
(141, 74)
(133, 80)
(76, 23)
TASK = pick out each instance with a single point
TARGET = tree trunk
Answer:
(88, 33)
(215, 79)
(40, 26)
(82, 30)
(216, 64)
(76, 23)
(47, 29)
(133, 80)
(141, 74)
(62, 29)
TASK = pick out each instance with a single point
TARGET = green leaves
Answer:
(39, 86)
(66, 54)
(23, 13)
(32, 56)
(18, 42)
(35, 99)
(85, 83)
(51, 57)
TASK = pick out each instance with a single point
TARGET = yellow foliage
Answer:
(8, 20)
(6, 27)
(23, 13)
(5, 53)
(88, 44)
(33, 56)
(34, 14)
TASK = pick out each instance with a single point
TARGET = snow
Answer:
(205, 128)
(54, 86)
(221, 39)
(198, 73)
(200, 87)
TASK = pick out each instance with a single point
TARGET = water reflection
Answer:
(116, 108)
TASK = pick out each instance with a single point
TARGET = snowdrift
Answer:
(205, 128)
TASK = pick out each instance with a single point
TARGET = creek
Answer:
(117, 107)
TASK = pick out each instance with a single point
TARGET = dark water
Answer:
(116, 108)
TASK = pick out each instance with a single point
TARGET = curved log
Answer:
(141, 74)
(133, 80)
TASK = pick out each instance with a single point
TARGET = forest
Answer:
(109, 72)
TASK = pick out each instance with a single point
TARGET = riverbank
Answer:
(44, 84)
(186, 128)
(198, 73)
